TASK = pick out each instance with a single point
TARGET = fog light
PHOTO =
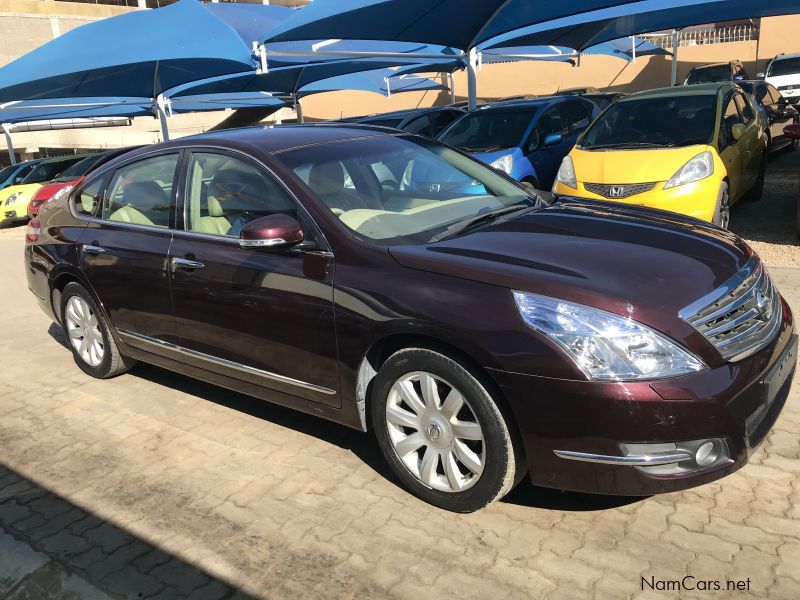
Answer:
(706, 454)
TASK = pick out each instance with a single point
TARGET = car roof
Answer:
(717, 64)
(527, 102)
(702, 89)
(785, 56)
(404, 114)
(269, 139)
(57, 159)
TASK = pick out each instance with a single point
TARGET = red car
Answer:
(71, 177)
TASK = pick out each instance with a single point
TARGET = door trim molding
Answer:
(224, 362)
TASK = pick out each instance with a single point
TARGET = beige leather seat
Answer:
(128, 214)
(215, 223)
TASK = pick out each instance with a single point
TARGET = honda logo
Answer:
(616, 191)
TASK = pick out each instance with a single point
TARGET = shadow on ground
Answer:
(51, 549)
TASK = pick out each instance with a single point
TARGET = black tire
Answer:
(112, 363)
(501, 456)
(756, 193)
(723, 199)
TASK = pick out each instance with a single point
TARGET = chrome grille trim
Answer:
(741, 316)
(623, 190)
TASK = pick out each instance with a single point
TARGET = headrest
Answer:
(326, 177)
(215, 208)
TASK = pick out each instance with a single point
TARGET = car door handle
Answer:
(184, 263)
(90, 249)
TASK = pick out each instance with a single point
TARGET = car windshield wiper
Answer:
(620, 145)
(489, 149)
(480, 219)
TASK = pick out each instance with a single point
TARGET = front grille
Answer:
(741, 316)
(783, 88)
(618, 191)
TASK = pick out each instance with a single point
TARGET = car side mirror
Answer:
(552, 139)
(271, 232)
(737, 131)
(760, 75)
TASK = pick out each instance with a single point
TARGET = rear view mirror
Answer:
(273, 232)
(552, 139)
(737, 131)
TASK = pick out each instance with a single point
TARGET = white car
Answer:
(783, 72)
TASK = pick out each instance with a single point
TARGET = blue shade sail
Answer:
(381, 81)
(456, 23)
(142, 53)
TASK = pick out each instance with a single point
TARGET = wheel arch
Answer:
(383, 348)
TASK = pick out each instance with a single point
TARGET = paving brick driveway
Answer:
(153, 485)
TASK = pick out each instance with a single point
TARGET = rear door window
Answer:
(141, 193)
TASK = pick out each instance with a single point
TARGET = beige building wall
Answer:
(26, 24)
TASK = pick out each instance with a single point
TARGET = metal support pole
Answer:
(633, 48)
(298, 108)
(472, 80)
(675, 42)
(452, 86)
(10, 145)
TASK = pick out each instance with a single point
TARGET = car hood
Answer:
(635, 262)
(631, 166)
(14, 189)
(47, 191)
(791, 79)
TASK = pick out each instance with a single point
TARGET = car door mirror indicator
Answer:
(273, 231)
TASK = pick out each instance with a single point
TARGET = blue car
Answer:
(14, 174)
(525, 138)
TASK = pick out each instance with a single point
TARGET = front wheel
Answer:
(88, 334)
(441, 431)
(722, 212)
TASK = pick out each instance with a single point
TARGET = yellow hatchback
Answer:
(695, 150)
(14, 199)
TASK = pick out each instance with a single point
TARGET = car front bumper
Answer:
(698, 199)
(575, 432)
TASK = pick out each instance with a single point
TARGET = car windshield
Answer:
(654, 122)
(489, 129)
(79, 169)
(717, 74)
(393, 123)
(401, 189)
(786, 66)
(7, 172)
(48, 170)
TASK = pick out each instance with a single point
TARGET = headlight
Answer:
(504, 163)
(700, 167)
(12, 198)
(605, 346)
(60, 193)
(566, 173)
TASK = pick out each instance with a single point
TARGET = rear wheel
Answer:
(441, 431)
(722, 212)
(89, 336)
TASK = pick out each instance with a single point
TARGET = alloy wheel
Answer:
(434, 432)
(84, 331)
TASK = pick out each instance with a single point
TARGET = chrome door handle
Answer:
(183, 263)
(89, 249)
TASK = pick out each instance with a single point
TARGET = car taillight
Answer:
(33, 231)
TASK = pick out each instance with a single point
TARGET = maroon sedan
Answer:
(390, 283)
